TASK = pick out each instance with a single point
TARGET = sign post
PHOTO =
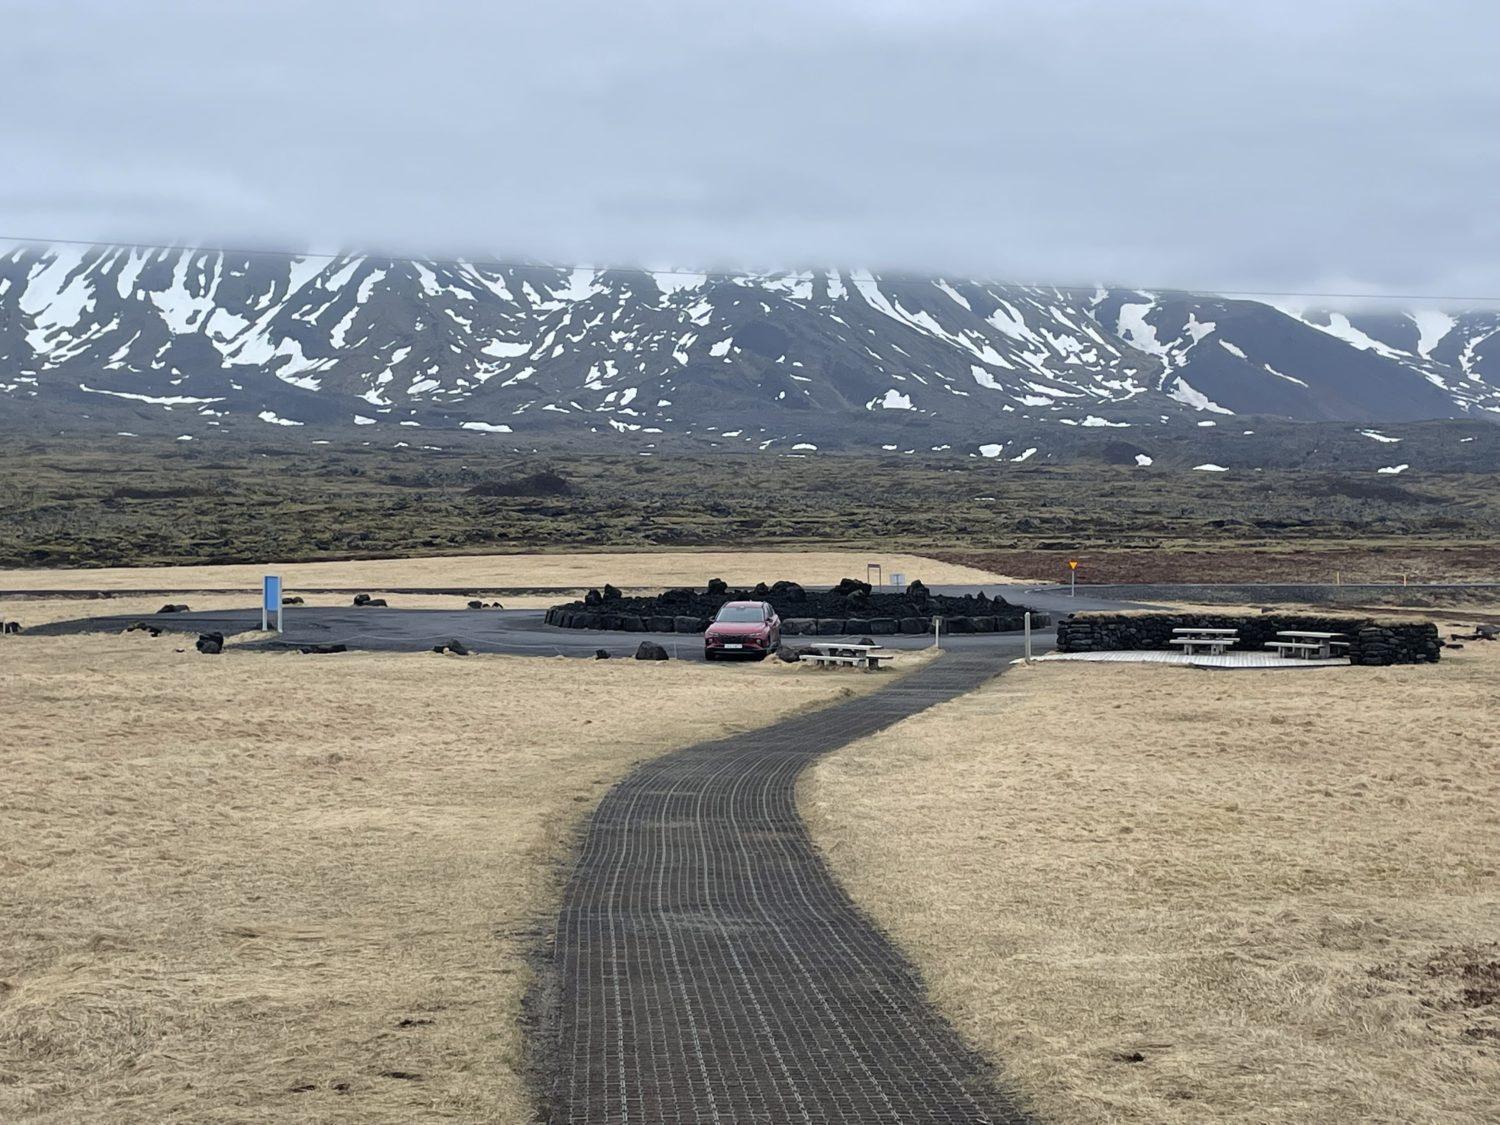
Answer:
(876, 570)
(937, 633)
(1028, 636)
(1072, 578)
(270, 601)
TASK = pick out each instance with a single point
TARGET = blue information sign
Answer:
(270, 601)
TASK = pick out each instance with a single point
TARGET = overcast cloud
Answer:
(1320, 144)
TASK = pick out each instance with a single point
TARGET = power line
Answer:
(541, 268)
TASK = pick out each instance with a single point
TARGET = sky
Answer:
(1318, 145)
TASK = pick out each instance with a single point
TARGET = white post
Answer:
(1028, 636)
(937, 633)
(263, 624)
(1073, 583)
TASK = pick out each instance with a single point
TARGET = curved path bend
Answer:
(712, 970)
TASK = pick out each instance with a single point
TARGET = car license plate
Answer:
(734, 646)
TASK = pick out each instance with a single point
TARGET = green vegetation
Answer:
(142, 502)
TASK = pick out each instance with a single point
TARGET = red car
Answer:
(742, 629)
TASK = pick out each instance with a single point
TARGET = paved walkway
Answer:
(1199, 659)
(712, 970)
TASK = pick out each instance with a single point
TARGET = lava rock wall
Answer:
(1370, 642)
(852, 608)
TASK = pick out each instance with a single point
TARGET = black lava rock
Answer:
(718, 586)
(361, 599)
(611, 593)
(293, 599)
(173, 609)
(650, 650)
(322, 650)
(593, 598)
(601, 654)
(788, 655)
(476, 605)
(210, 643)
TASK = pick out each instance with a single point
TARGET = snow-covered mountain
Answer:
(187, 341)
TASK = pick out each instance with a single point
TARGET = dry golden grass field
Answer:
(575, 569)
(261, 887)
(1164, 895)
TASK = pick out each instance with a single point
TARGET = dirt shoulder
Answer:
(304, 888)
(1304, 562)
(572, 570)
(1165, 895)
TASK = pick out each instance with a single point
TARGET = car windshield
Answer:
(741, 613)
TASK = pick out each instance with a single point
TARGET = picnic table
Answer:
(1215, 641)
(832, 654)
(1307, 644)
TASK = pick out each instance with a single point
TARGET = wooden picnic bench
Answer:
(833, 654)
(1306, 644)
(1214, 640)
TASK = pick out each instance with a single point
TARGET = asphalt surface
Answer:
(711, 969)
(518, 632)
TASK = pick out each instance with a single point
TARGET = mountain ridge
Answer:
(204, 340)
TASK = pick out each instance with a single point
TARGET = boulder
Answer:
(984, 624)
(866, 640)
(799, 626)
(847, 586)
(322, 650)
(761, 590)
(601, 654)
(788, 655)
(788, 591)
(913, 626)
(458, 648)
(958, 625)
(650, 650)
(293, 599)
(688, 625)
(632, 624)
(173, 609)
(361, 599)
(917, 593)
(718, 586)
(883, 626)
(661, 624)
(593, 598)
(210, 643)
(830, 627)
(611, 593)
(372, 603)
(856, 625)
(476, 605)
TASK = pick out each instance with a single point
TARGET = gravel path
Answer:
(710, 968)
